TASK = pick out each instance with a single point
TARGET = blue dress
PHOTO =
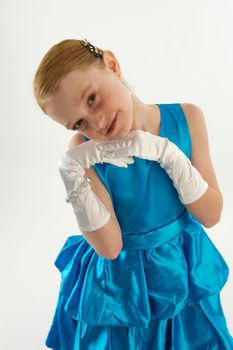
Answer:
(163, 291)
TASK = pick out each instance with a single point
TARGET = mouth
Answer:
(112, 126)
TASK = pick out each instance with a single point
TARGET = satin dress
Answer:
(163, 290)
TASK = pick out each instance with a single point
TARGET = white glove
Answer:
(186, 179)
(90, 212)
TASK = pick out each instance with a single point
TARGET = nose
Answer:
(100, 122)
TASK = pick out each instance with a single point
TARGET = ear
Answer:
(111, 62)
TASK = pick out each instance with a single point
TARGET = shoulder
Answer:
(197, 126)
(194, 114)
(76, 139)
(196, 122)
(201, 155)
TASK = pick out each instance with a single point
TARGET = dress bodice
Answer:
(143, 195)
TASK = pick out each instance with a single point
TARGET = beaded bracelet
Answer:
(79, 189)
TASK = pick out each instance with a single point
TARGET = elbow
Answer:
(216, 219)
(207, 209)
(113, 255)
(212, 222)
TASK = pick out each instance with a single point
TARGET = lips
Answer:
(111, 126)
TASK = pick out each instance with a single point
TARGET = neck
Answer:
(145, 117)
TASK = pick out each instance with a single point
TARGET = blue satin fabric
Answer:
(163, 290)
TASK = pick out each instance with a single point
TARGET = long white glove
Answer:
(186, 178)
(90, 212)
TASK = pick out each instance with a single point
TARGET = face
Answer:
(89, 100)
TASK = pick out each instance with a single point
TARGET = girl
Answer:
(144, 274)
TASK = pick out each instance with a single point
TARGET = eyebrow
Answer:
(68, 126)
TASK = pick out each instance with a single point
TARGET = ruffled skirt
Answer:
(161, 293)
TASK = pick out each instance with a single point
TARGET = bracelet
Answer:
(82, 185)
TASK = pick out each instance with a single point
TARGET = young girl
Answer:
(144, 274)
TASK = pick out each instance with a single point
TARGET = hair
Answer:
(62, 58)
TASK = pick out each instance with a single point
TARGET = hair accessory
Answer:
(91, 48)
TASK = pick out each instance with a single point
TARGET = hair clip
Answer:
(91, 48)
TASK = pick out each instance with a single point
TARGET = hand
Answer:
(90, 152)
(186, 178)
(73, 163)
(90, 212)
(138, 143)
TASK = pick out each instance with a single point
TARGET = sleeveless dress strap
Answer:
(174, 126)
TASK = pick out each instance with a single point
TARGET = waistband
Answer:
(156, 237)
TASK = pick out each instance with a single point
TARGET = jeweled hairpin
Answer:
(92, 48)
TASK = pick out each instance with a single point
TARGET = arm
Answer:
(195, 191)
(206, 209)
(106, 241)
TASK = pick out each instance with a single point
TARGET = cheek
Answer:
(114, 98)
(108, 101)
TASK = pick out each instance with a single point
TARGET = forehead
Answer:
(77, 79)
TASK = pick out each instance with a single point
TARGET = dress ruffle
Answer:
(140, 285)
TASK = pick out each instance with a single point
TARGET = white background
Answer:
(170, 51)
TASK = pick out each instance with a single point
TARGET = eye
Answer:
(91, 95)
(80, 121)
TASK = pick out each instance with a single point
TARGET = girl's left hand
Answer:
(138, 143)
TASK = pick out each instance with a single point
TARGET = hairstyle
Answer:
(60, 59)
